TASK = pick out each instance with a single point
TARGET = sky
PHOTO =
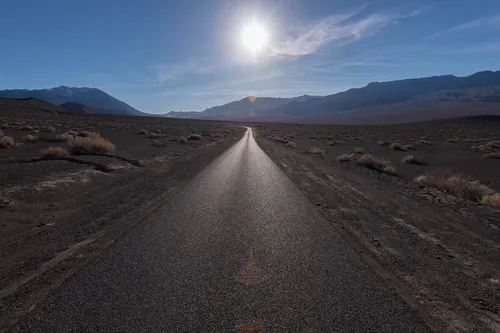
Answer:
(165, 55)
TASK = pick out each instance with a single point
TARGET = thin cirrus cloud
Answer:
(340, 28)
(489, 21)
(167, 72)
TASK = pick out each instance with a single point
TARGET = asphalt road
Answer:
(240, 249)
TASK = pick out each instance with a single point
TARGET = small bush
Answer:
(371, 162)
(7, 142)
(158, 143)
(64, 137)
(493, 144)
(5, 126)
(91, 145)
(410, 147)
(291, 144)
(29, 138)
(452, 140)
(193, 136)
(479, 148)
(456, 184)
(1, 133)
(73, 133)
(411, 159)
(345, 158)
(154, 136)
(143, 132)
(398, 146)
(495, 155)
(401, 147)
(50, 129)
(218, 135)
(491, 200)
(86, 134)
(278, 139)
(27, 128)
(315, 151)
(182, 140)
(426, 142)
(54, 152)
(382, 143)
(358, 151)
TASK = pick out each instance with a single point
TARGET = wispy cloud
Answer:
(340, 28)
(167, 72)
(487, 21)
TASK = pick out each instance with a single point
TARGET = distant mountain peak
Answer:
(93, 98)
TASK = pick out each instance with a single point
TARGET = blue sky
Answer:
(163, 55)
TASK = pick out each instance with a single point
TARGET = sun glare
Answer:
(254, 37)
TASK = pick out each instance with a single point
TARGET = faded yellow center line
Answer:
(251, 275)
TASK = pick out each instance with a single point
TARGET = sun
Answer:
(254, 36)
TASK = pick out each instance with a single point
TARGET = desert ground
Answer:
(429, 223)
(104, 175)
(418, 202)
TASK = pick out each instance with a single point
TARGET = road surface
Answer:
(238, 249)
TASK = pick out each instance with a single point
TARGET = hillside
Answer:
(93, 98)
(29, 106)
(378, 102)
(246, 108)
(378, 94)
(77, 108)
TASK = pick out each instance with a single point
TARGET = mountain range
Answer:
(366, 104)
(243, 109)
(91, 97)
(378, 102)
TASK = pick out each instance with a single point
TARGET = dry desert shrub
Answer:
(345, 158)
(29, 138)
(315, 151)
(94, 144)
(455, 183)
(182, 140)
(158, 143)
(54, 152)
(493, 144)
(50, 129)
(371, 162)
(86, 134)
(291, 144)
(5, 126)
(154, 136)
(412, 159)
(382, 143)
(194, 136)
(217, 135)
(452, 140)
(278, 139)
(27, 128)
(1, 133)
(143, 132)
(358, 151)
(401, 147)
(398, 146)
(64, 137)
(491, 200)
(425, 142)
(495, 155)
(7, 142)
